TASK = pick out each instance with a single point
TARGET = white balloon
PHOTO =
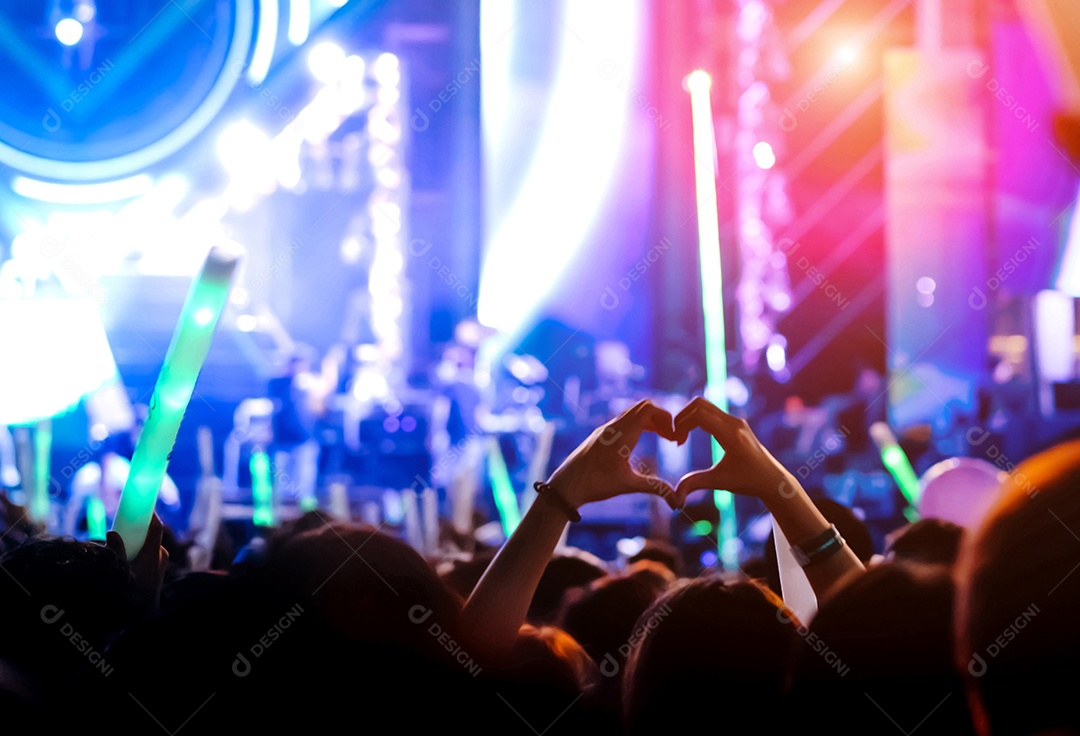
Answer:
(960, 490)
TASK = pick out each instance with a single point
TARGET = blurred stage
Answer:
(474, 231)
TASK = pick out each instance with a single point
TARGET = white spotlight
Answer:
(326, 61)
(69, 31)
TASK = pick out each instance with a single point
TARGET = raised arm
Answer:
(600, 468)
(748, 468)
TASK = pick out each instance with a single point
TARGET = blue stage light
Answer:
(69, 31)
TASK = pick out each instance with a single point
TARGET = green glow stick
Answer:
(39, 503)
(262, 489)
(897, 463)
(187, 352)
(95, 518)
(502, 488)
(699, 83)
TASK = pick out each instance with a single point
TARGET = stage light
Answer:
(387, 70)
(586, 121)
(299, 21)
(698, 81)
(326, 61)
(246, 322)
(847, 55)
(763, 155)
(241, 146)
(776, 356)
(1068, 274)
(98, 193)
(265, 40)
(85, 12)
(630, 546)
(699, 84)
(737, 392)
(351, 250)
(69, 31)
(926, 285)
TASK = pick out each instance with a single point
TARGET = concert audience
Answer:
(326, 625)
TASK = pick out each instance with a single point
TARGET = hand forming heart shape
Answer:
(601, 466)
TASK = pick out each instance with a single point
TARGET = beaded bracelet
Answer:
(552, 495)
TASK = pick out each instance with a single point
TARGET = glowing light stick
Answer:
(95, 519)
(262, 489)
(187, 352)
(898, 465)
(39, 503)
(502, 488)
(699, 83)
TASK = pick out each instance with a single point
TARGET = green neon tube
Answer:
(39, 504)
(896, 462)
(502, 488)
(95, 519)
(262, 489)
(712, 291)
(191, 341)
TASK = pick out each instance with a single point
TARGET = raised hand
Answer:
(149, 565)
(747, 467)
(603, 465)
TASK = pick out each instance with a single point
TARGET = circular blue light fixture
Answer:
(69, 31)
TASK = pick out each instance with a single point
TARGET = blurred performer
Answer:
(300, 400)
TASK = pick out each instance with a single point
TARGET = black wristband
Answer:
(552, 495)
(818, 548)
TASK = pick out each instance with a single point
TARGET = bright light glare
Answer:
(246, 322)
(299, 21)
(204, 316)
(698, 81)
(69, 31)
(326, 61)
(763, 155)
(776, 357)
(847, 55)
(241, 147)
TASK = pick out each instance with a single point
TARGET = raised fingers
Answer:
(644, 416)
(702, 413)
(696, 481)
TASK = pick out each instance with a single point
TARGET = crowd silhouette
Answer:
(323, 625)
